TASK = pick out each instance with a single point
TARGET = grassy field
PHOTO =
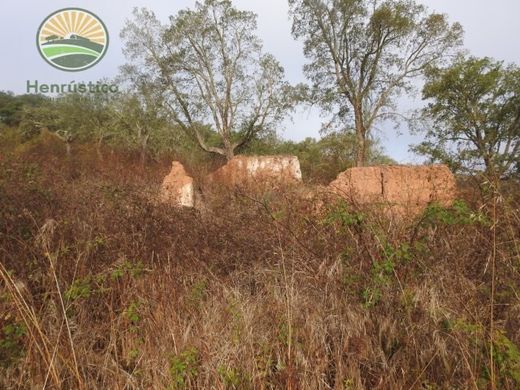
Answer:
(103, 288)
(62, 50)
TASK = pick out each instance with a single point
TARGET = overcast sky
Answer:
(491, 29)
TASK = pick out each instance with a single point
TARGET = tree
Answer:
(365, 53)
(47, 116)
(71, 117)
(51, 38)
(473, 116)
(140, 118)
(11, 106)
(321, 160)
(92, 116)
(210, 68)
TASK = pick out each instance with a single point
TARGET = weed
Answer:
(458, 214)
(80, 288)
(184, 368)
(371, 296)
(233, 378)
(198, 294)
(507, 357)
(132, 313)
(381, 274)
(11, 343)
(131, 269)
(341, 213)
(362, 296)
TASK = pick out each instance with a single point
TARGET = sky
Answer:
(491, 29)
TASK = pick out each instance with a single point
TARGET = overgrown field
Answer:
(103, 288)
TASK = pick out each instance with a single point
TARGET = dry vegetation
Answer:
(102, 288)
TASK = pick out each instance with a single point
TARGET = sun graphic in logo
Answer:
(72, 39)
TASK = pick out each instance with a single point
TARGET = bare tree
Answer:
(210, 68)
(364, 53)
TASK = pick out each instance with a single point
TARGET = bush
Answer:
(247, 292)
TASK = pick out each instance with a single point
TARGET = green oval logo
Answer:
(72, 39)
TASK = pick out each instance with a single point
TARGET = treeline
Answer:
(202, 85)
(127, 122)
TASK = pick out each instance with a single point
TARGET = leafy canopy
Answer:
(473, 116)
(363, 54)
(210, 68)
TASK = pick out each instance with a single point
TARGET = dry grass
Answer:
(103, 288)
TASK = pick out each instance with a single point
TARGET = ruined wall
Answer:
(178, 188)
(405, 188)
(258, 169)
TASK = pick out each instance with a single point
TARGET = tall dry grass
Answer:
(103, 288)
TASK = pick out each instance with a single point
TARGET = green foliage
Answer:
(458, 214)
(381, 274)
(132, 313)
(11, 347)
(400, 253)
(133, 354)
(407, 300)
(348, 384)
(363, 55)
(11, 106)
(184, 368)
(383, 271)
(507, 356)
(131, 121)
(371, 296)
(236, 324)
(340, 213)
(208, 64)
(284, 333)
(472, 119)
(321, 160)
(233, 378)
(51, 115)
(127, 268)
(141, 122)
(80, 288)
(198, 293)
(84, 288)
(461, 325)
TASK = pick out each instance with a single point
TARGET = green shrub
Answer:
(340, 213)
(233, 378)
(184, 368)
(458, 214)
(507, 357)
(11, 347)
(80, 288)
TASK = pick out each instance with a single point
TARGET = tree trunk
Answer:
(361, 149)
(143, 157)
(68, 148)
(144, 147)
(98, 148)
(491, 170)
(229, 150)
